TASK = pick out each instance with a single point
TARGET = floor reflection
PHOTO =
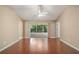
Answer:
(38, 44)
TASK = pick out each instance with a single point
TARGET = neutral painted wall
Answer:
(51, 28)
(20, 29)
(69, 25)
(9, 26)
(57, 29)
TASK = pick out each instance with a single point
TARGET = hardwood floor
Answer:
(39, 46)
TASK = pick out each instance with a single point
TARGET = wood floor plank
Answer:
(39, 46)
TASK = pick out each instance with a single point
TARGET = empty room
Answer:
(39, 29)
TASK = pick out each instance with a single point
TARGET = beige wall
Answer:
(20, 29)
(51, 25)
(52, 29)
(57, 29)
(69, 25)
(9, 29)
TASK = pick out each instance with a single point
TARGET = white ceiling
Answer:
(30, 12)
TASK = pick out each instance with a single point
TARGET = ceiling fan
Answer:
(42, 11)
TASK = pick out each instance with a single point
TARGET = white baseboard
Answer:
(20, 37)
(27, 37)
(70, 45)
(48, 37)
(10, 44)
(52, 37)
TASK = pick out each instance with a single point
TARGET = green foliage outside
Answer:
(38, 28)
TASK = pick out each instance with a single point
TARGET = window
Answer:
(38, 28)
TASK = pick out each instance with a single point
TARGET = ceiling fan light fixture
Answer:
(41, 11)
(42, 14)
